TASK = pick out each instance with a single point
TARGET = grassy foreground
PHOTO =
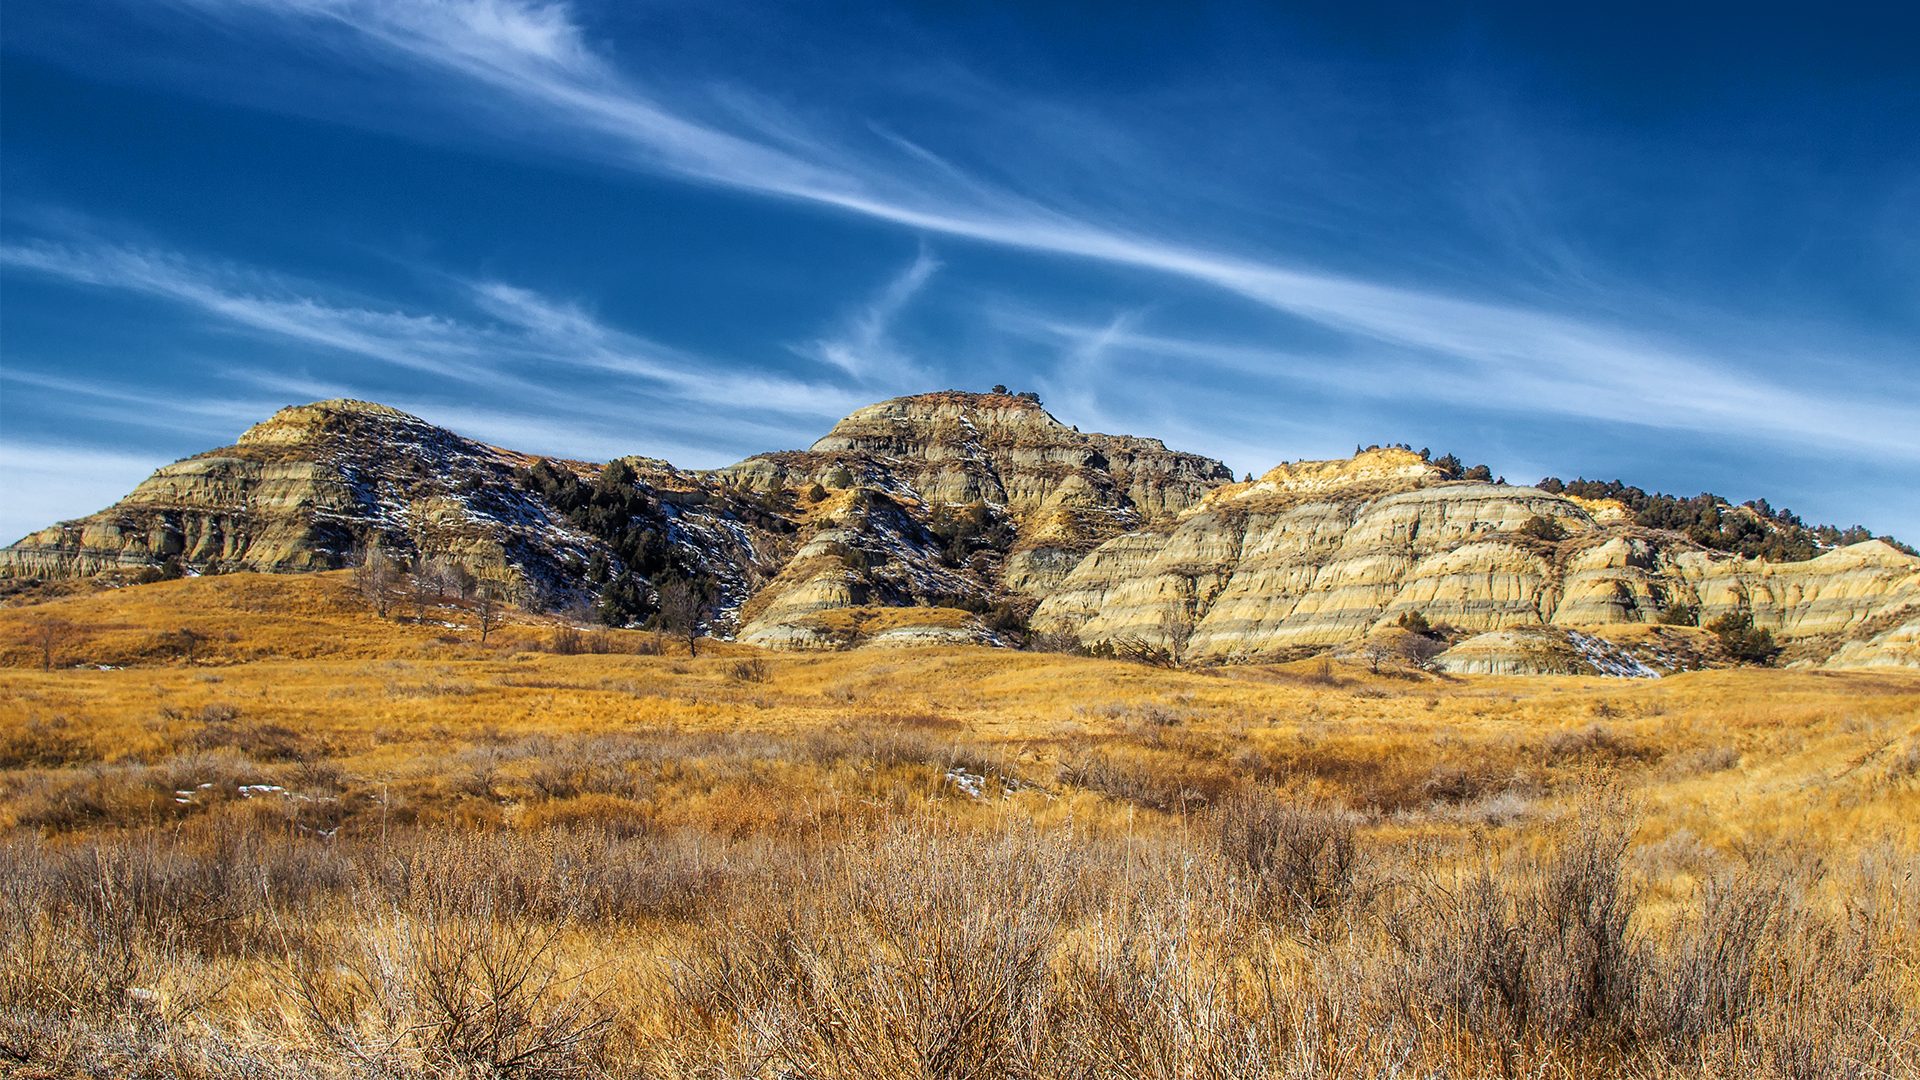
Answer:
(297, 840)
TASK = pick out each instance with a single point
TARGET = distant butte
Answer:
(959, 517)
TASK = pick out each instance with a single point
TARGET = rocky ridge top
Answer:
(981, 517)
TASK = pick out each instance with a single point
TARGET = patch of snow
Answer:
(973, 784)
(1609, 659)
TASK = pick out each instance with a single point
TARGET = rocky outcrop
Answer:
(1047, 494)
(1320, 553)
(1009, 451)
(1898, 647)
(300, 490)
(960, 517)
(306, 488)
(862, 549)
(1316, 553)
(1545, 650)
(1062, 491)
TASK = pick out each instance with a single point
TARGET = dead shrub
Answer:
(1597, 744)
(1700, 762)
(1052, 641)
(133, 794)
(1162, 783)
(259, 742)
(566, 641)
(752, 670)
(1712, 974)
(1302, 860)
(619, 818)
(466, 994)
(1531, 951)
(1321, 674)
(918, 721)
(1456, 784)
(890, 971)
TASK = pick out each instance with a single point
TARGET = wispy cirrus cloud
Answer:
(1570, 377)
(516, 348)
(865, 349)
(534, 59)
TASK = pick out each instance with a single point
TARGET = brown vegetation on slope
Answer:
(393, 852)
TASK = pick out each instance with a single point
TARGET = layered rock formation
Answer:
(306, 488)
(1002, 449)
(1049, 493)
(1320, 553)
(968, 517)
(299, 491)
(1544, 650)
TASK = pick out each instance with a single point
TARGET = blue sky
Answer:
(1679, 246)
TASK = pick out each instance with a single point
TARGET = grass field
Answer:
(284, 837)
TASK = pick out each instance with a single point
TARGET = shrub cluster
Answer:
(1270, 939)
(1743, 641)
(1709, 520)
(963, 530)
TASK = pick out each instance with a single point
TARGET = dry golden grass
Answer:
(333, 844)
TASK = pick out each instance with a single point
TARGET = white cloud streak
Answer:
(527, 335)
(534, 58)
(866, 351)
(1575, 378)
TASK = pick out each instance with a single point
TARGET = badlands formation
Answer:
(979, 517)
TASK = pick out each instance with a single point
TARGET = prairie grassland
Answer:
(328, 845)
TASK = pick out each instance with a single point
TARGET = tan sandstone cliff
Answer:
(956, 516)
(1316, 554)
(1057, 491)
(306, 488)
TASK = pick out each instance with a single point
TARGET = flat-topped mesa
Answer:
(1370, 472)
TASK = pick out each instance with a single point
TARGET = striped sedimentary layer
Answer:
(1282, 566)
(302, 490)
(1112, 537)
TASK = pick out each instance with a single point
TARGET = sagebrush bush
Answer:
(1278, 942)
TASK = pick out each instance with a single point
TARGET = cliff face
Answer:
(1323, 553)
(1049, 494)
(953, 517)
(301, 490)
(956, 448)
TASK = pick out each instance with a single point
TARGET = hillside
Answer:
(282, 836)
(980, 518)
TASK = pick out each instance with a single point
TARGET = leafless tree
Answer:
(373, 576)
(186, 642)
(1419, 650)
(486, 607)
(47, 635)
(683, 606)
(1175, 631)
(1377, 651)
(444, 577)
(1052, 641)
(461, 580)
(421, 588)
